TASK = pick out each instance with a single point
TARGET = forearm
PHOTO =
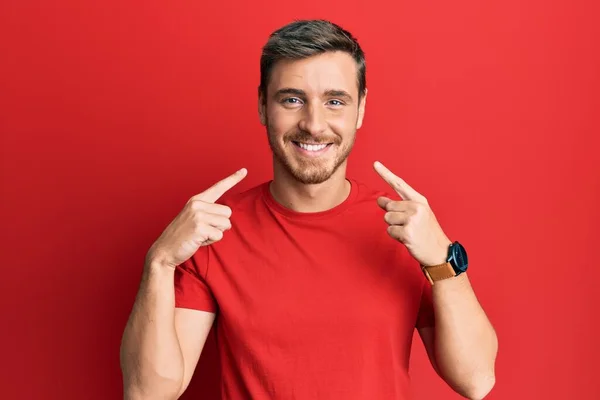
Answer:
(151, 358)
(465, 341)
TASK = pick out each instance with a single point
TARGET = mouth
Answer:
(312, 149)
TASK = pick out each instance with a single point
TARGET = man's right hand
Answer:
(200, 223)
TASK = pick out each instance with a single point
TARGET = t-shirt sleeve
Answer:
(426, 317)
(191, 288)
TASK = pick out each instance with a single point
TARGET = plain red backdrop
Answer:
(112, 114)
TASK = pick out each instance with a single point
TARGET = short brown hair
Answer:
(306, 38)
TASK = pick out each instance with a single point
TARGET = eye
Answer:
(336, 102)
(291, 100)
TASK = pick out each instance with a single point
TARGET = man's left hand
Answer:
(412, 222)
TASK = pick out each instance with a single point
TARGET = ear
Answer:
(361, 110)
(262, 105)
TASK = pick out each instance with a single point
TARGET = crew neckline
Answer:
(288, 212)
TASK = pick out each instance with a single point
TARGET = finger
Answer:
(388, 204)
(213, 193)
(383, 202)
(211, 208)
(397, 183)
(396, 218)
(211, 233)
(215, 234)
(217, 221)
(397, 232)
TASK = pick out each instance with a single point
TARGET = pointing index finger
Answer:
(214, 192)
(397, 183)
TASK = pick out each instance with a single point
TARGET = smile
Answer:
(312, 147)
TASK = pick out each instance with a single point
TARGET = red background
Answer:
(113, 114)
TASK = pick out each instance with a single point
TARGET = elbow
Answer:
(479, 387)
(151, 386)
(145, 381)
(156, 392)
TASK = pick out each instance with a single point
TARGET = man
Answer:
(310, 296)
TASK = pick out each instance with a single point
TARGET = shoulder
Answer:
(367, 193)
(364, 209)
(244, 198)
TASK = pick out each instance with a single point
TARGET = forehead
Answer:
(316, 74)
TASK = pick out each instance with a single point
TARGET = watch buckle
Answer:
(426, 273)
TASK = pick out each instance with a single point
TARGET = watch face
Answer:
(459, 256)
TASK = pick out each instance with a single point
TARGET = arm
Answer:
(463, 345)
(161, 344)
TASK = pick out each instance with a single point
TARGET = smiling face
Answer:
(312, 110)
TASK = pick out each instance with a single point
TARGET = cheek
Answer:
(343, 124)
(281, 121)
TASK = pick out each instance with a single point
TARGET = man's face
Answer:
(312, 112)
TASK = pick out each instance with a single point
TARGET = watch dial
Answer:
(460, 257)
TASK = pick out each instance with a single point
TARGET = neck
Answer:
(301, 197)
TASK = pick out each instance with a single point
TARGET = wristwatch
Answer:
(456, 263)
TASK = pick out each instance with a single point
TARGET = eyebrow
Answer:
(293, 91)
(328, 93)
(338, 93)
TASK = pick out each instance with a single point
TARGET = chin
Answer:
(312, 173)
(308, 178)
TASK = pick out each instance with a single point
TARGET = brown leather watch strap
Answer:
(438, 272)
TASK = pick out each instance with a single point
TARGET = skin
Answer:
(303, 103)
(462, 346)
(314, 101)
(161, 344)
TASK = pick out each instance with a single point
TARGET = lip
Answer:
(307, 153)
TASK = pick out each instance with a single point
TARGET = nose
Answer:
(313, 120)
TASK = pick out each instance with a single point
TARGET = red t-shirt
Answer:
(309, 305)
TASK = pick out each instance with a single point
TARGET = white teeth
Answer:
(312, 147)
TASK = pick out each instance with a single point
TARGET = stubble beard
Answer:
(305, 170)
